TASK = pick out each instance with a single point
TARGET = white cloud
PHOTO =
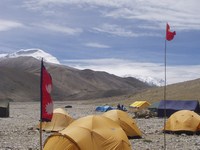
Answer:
(122, 68)
(59, 28)
(183, 15)
(8, 25)
(115, 30)
(122, 31)
(97, 45)
(105, 3)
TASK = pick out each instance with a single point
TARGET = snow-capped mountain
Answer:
(39, 54)
(36, 53)
(3, 55)
(149, 80)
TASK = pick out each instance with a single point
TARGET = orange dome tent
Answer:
(60, 120)
(127, 123)
(183, 121)
(60, 142)
(92, 132)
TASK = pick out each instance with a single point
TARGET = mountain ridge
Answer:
(20, 82)
(39, 54)
(22, 79)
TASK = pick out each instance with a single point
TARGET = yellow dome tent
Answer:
(140, 104)
(92, 132)
(60, 142)
(183, 120)
(60, 120)
(127, 123)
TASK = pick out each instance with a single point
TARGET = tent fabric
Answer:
(94, 132)
(60, 120)
(140, 104)
(154, 106)
(4, 108)
(173, 106)
(184, 120)
(127, 123)
(59, 142)
(103, 108)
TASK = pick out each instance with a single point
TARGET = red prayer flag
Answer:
(169, 35)
(46, 101)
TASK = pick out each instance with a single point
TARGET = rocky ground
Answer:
(18, 131)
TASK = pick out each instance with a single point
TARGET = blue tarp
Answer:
(154, 106)
(172, 106)
(104, 108)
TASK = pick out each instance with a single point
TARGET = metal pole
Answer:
(41, 76)
(165, 86)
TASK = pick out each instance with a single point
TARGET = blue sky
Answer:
(123, 37)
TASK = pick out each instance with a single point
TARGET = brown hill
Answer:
(21, 81)
(188, 90)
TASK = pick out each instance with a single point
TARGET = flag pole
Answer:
(165, 86)
(169, 36)
(41, 96)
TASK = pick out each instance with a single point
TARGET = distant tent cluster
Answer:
(110, 130)
(168, 106)
(183, 114)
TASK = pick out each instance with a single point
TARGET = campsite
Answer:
(100, 96)
(99, 75)
(18, 132)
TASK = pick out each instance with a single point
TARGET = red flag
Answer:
(46, 101)
(169, 35)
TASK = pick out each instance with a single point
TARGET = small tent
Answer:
(4, 108)
(60, 120)
(103, 108)
(172, 106)
(183, 121)
(140, 105)
(127, 123)
(94, 132)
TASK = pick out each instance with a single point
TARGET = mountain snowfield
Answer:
(36, 53)
(39, 54)
(149, 80)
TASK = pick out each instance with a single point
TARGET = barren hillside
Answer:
(21, 81)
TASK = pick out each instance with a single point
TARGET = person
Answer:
(122, 107)
(118, 106)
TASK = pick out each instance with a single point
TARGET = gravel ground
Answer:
(18, 131)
